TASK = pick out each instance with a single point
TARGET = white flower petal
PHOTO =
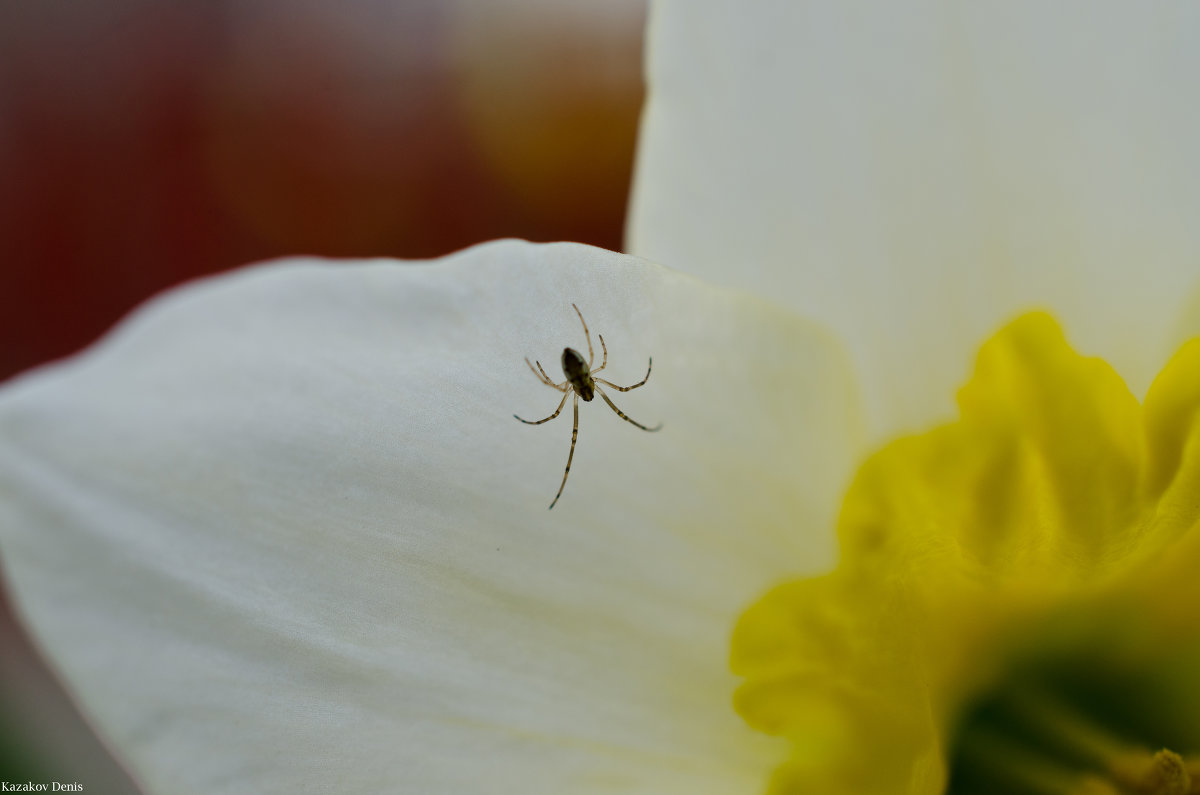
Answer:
(1187, 324)
(281, 531)
(911, 175)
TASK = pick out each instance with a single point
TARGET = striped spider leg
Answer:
(581, 383)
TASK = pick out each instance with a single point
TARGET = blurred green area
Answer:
(43, 739)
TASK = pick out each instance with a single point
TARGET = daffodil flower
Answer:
(279, 531)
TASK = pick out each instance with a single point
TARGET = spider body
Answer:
(578, 373)
(582, 383)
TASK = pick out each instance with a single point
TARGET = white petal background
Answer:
(281, 532)
(913, 175)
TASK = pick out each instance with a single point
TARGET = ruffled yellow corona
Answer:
(1017, 605)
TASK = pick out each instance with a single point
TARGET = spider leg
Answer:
(570, 455)
(552, 416)
(604, 348)
(622, 415)
(635, 386)
(561, 386)
(587, 334)
(542, 376)
(545, 379)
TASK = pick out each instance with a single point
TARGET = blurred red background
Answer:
(145, 143)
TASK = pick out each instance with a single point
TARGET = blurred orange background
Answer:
(145, 143)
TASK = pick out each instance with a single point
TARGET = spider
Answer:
(582, 384)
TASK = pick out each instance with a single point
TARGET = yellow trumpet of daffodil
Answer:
(1014, 610)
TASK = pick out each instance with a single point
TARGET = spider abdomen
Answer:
(578, 374)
